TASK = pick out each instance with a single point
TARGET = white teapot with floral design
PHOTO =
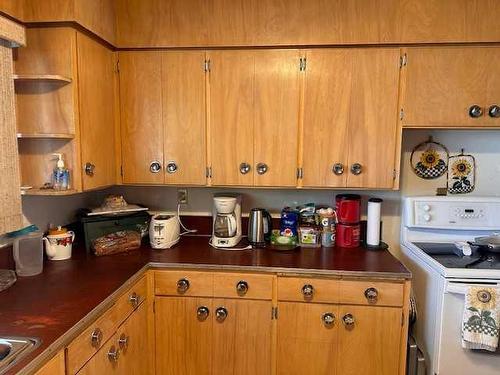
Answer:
(59, 243)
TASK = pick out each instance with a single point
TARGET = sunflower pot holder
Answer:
(429, 159)
(461, 174)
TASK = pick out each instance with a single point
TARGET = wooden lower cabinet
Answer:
(53, 367)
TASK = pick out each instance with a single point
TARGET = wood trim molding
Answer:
(12, 32)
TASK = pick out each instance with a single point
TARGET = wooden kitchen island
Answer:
(195, 309)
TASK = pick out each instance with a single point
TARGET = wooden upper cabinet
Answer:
(276, 117)
(371, 344)
(232, 82)
(327, 100)
(141, 117)
(373, 118)
(442, 84)
(183, 95)
(96, 75)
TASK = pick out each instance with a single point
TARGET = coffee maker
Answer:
(226, 230)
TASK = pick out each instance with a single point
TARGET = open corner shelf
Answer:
(45, 136)
(55, 78)
(49, 192)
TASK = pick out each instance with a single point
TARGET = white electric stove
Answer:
(442, 274)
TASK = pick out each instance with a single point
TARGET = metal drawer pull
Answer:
(475, 111)
(338, 169)
(262, 168)
(348, 320)
(202, 313)
(171, 167)
(221, 314)
(123, 342)
(155, 167)
(371, 295)
(113, 354)
(96, 337)
(134, 299)
(356, 169)
(242, 288)
(328, 319)
(182, 286)
(89, 169)
(308, 291)
(494, 111)
(244, 168)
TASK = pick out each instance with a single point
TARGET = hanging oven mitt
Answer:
(480, 323)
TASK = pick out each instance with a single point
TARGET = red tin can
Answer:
(348, 207)
(348, 235)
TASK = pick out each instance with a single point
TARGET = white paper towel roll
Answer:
(373, 222)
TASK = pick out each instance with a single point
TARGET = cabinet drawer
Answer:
(240, 285)
(371, 293)
(184, 283)
(81, 349)
(308, 289)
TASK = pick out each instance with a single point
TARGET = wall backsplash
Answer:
(482, 144)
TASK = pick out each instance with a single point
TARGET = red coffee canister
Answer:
(348, 235)
(348, 207)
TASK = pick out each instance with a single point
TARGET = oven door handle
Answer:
(462, 288)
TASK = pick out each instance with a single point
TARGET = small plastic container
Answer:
(309, 237)
(28, 253)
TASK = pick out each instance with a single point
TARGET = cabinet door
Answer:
(102, 362)
(327, 99)
(141, 117)
(276, 118)
(442, 84)
(183, 335)
(231, 117)
(133, 341)
(96, 100)
(371, 344)
(53, 367)
(183, 92)
(373, 117)
(242, 340)
(307, 338)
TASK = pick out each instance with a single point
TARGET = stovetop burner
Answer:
(450, 256)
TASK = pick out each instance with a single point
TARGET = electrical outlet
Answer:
(182, 196)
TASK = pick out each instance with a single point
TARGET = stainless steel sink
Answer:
(12, 349)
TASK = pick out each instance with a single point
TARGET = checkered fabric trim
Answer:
(431, 173)
(484, 328)
(463, 190)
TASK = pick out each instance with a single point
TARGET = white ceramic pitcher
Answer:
(59, 246)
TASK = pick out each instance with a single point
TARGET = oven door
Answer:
(453, 359)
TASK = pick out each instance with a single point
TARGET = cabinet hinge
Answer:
(208, 172)
(402, 319)
(274, 313)
(118, 66)
(121, 170)
(401, 114)
(403, 60)
(302, 64)
(207, 66)
(154, 306)
(300, 173)
(394, 174)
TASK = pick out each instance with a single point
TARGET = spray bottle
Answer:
(60, 176)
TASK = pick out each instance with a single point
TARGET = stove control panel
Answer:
(453, 213)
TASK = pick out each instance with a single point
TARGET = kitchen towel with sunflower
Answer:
(480, 323)
(429, 159)
(461, 174)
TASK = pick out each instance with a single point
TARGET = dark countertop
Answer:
(49, 305)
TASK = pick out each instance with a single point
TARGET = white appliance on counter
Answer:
(442, 274)
(164, 231)
(226, 230)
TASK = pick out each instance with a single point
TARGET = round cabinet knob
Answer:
(134, 299)
(328, 319)
(356, 169)
(96, 337)
(308, 291)
(427, 217)
(182, 286)
(221, 314)
(244, 168)
(262, 168)
(89, 169)
(494, 111)
(475, 111)
(242, 288)
(426, 208)
(338, 169)
(371, 295)
(155, 167)
(348, 320)
(113, 354)
(202, 313)
(171, 167)
(123, 342)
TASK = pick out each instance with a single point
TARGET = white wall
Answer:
(484, 145)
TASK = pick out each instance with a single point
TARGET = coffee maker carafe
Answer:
(226, 231)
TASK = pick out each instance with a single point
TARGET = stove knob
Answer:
(427, 217)
(426, 208)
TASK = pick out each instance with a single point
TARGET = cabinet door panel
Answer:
(305, 344)
(372, 345)
(231, 116)
(373, 117)
(141, 116)
(327, 100)
(183, 342)
(100, 362)
(276, 117)
(242, 342)
(443, 83)
(96, 99)
(183, 92)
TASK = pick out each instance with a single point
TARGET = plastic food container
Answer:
(28, 254)
(309, 237)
